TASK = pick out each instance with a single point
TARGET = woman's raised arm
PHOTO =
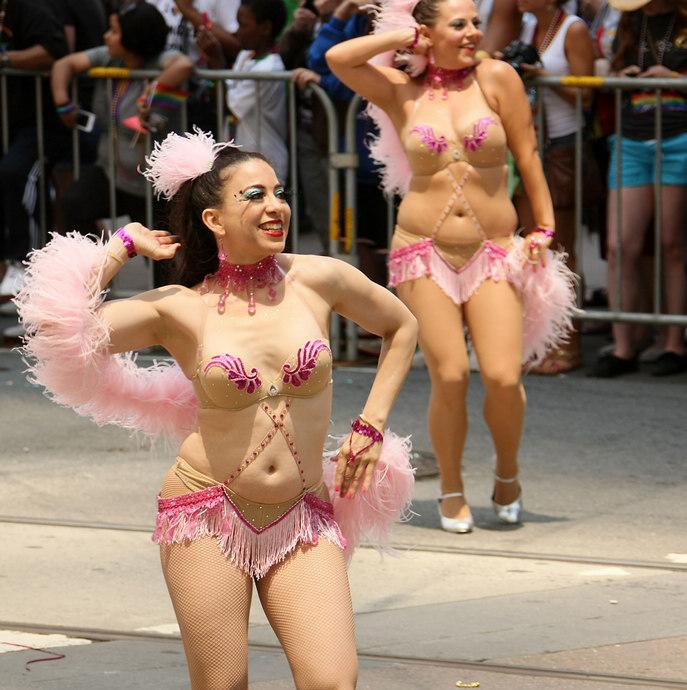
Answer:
(349, 61)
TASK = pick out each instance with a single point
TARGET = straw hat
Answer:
(628, 5)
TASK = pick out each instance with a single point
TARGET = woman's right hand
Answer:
(424, 43)
(631, 71)
(153, 244)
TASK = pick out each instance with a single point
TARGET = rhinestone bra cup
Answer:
(224, 381)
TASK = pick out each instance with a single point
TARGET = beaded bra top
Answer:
(225, 381)
(479, 140)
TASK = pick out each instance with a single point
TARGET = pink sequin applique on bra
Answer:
(474, 141)
(435, 144)
(306, 361)
(236, 372)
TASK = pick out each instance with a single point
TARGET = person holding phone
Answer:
(135, 39)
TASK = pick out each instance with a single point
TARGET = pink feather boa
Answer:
(369, 516)
(66, 347)
(386, 148)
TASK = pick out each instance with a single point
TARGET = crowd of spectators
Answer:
(180, 37)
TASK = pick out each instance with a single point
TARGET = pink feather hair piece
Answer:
(370, 516)
(179, 158)
(66, 347)
(386, 148)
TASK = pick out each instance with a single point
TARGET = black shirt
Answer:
(89, 22)
(639, 107)
(29, 23)
(88, 19)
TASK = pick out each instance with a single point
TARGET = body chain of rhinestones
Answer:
(277, 418)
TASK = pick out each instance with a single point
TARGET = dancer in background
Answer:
(446, 122)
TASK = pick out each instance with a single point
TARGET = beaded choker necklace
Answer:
(441, 78)
(245, 278)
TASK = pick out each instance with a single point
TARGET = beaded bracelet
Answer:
(128, 243)
(544, 230)
(363, 428)
(413, 45)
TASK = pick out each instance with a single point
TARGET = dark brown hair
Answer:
(426, 12)
(197, 255)
(628, 33)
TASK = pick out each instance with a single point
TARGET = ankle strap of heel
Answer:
(512, 480)
(450, 495)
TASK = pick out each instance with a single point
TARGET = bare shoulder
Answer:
(500, 84)
(578, 30)
(171, 299)
(321, 273)
(498, 72)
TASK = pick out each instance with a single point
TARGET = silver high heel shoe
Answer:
(456, 525)
(510, 513)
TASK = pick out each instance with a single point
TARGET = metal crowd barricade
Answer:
(618, 85)
(342, 241)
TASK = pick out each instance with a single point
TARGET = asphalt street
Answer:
(588, 593)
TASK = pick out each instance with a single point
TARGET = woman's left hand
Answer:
(536, 244)
(349, 474)
(657, 72)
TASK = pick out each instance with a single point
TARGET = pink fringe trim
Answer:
(211, 513)
(548, 293)
(370, 516)
(66, 347)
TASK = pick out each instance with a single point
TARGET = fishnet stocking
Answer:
(308, 603)
(306, 598)
(211, 599)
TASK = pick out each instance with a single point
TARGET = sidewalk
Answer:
(589, 593)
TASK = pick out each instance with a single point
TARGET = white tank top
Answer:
(560, 115)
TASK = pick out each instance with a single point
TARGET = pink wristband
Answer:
(128, 243)
(545, 231)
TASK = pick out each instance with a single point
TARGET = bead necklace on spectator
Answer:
(121, 87)
(646, 39)
(551, 31)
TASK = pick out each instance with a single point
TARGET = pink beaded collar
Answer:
(442, 78)
(247, 278)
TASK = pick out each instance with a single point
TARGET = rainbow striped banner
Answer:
(644, 101)
(168, 98)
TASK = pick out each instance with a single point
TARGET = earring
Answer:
(221, 254)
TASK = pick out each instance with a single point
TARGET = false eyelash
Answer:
(288, 194)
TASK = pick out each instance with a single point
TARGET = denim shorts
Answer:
(639, 162)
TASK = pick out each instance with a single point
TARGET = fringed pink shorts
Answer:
(548, 294)
(253, 545)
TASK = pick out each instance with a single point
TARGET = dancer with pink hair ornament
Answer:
(446, 120)
(251, 496)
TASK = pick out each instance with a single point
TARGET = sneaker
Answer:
(669, 363)
(13, 280)
(609, 366)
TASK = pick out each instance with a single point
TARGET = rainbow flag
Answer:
(168, 98)
(645, 101)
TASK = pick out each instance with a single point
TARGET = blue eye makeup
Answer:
(253, 193)
(257, 193)
(282, 193)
